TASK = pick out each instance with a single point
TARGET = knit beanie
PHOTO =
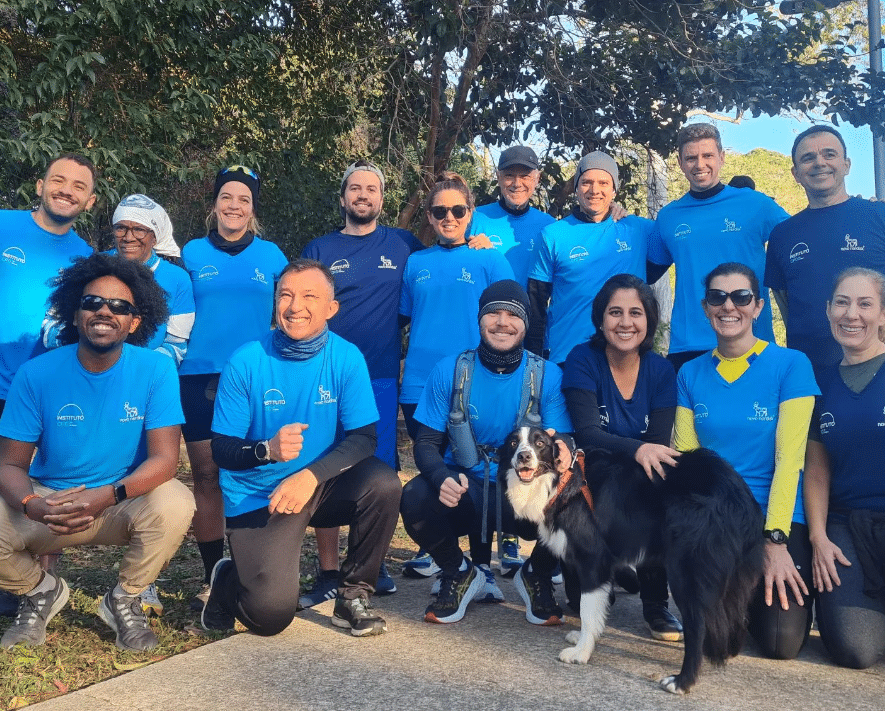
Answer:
(599, 161)
(240, 174)
(507, 295)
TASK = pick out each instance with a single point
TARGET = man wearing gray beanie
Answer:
(577, 255)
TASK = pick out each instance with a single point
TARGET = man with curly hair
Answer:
(104, 417)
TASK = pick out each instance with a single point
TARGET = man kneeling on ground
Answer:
(104, 416)
(281, 402)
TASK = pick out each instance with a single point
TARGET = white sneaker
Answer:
(489, 592)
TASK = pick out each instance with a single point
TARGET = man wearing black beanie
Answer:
(456, 493)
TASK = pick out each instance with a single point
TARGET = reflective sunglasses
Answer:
(241, 169)
(118, 307)
(739, 297)
(140, 233)
(440, 211)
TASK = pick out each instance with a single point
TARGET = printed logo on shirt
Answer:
(131, 413)
(603, 417)
(466, 276)
(13, 255)
(760, 414)
(578, 253)
(273, 400)
(496, 241)
(69, 416)
(386, 263)
(731, 226)
(207, 272)
(827, 421)
(851, 245)
(682, 231)
(798, 252)
(339, 266)
(423, 275)
(623, 246)
(532, 244)
(881, 422)
(645, 429)
(700, 411)
(259, 277)
(325, 397)
(472, 412)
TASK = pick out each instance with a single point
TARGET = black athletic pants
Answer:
(261, 588)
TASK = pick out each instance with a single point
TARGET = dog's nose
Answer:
(524, 457)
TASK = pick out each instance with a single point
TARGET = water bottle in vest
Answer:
(461, 440)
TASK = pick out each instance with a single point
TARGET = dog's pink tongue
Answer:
(526, 474)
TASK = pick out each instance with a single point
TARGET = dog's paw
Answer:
(670, 683)
(574, 655)
(573, 637)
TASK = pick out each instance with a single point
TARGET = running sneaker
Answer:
(662, 624)
(358, 616)
(34, 613)
(150, 601)
(124, 615)
(537, 594)
(490, 592)
(455, 593)
(510, 560)
(8, 604)
(385, 585)
(215, 616)
(198, 601)
(325, 587)
(421, 566)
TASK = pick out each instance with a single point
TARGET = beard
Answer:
(362, 219)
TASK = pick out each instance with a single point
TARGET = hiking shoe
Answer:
(325, 587)
(489, 592)
(198, 601)
(215, 616)
(358, 616)
(537, 594)
(150, 601)
(34, 613)
(385, 584)
(662, 624)
(124, 615)
(421, 566)
(8, 604)
(455, 593)
(510, 560)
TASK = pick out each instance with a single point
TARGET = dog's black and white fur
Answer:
(701, 522)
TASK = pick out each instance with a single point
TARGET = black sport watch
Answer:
(262, 451)
(775, 535)
(119, 492)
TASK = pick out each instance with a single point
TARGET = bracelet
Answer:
(27, 499)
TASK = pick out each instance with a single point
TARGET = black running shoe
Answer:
(215, 616)
(537, 594)
(455, 593)
(661, 622)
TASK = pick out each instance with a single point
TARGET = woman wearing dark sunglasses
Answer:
(441, 289)
(751, 401)
(233, 272)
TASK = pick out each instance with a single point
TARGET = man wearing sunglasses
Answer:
(806, 252)
(106, 415)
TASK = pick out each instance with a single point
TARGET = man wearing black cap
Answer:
(447, 500)
(512, 225)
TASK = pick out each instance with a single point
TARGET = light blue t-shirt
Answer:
(515, 236)
(493, 407)
(739, 420)
(699, 235)
(90, 428)
(577, 258)
(259, 392)
(29, 257)
(234, 300)
(441, 290)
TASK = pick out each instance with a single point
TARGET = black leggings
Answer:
(262, 585)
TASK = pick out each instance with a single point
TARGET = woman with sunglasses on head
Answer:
(844, 483)
(750, 401)
(233, 272)
(621, 396)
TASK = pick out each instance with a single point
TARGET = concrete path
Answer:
(493, 659)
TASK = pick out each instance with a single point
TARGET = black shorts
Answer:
(198, 403)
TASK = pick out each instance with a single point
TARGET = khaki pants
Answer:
(152, 526)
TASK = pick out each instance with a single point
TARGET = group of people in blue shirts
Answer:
(289, 389)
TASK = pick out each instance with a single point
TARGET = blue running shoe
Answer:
(489, 592)
(421, 566)
(385, 584)
(510, 559)
(325, 587)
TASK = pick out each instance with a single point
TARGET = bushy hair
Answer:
(646, 297)
(727, 268)
(148, 297)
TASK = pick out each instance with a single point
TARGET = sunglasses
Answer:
(739, 297)
(118, 307)
(140, 233)
(440, 211)
(241, 169)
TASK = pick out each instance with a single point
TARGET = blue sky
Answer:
(778, 132)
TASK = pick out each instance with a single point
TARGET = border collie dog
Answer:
(701, 522)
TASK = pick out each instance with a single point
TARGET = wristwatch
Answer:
(119, 492)
(775, 535)
(262, 451)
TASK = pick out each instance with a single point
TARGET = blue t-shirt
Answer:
(699, 235)
(90, 428)
(852, 429)
(578, 257)
(259, 392)
(368, 272)
(586, 368)
(29, 257)
(807, 252)
(234, 300)
(515, 236)
(441, 290)
(739, 420)
(493, 407)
